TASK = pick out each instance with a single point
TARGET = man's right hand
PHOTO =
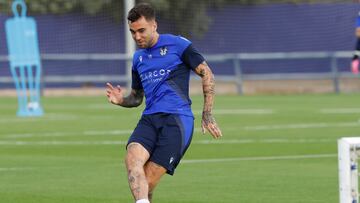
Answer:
(355, 66)
(115, 94)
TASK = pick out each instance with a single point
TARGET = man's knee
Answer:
(136, 156)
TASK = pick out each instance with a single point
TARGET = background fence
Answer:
(83, 45)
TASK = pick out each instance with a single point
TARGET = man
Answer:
(161, 72)
(355, 59)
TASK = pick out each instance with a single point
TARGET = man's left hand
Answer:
(209, 124)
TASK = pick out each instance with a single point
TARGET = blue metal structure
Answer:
(24, 57)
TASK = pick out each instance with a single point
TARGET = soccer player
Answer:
(161, 72)
(355, 59)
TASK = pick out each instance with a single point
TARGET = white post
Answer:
(129, 42)
(348, 169)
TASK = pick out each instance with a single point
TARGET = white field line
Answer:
(341, 111)
(63, 134)
(204, 161)
(302, 126)
(66, 134)
(129, 131)
(310, 156)
(268, 140)
(84, 133)
(201, 142)
(62, 118)
(110, 132)
(15, 168)
(47, 117)
(56, 117)
(70, 106)
(196, 111)
(64, 143)
(237, 111)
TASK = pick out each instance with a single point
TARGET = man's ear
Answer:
(155, 26)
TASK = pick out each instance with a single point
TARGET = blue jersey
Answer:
(163, 72)
(358, 21)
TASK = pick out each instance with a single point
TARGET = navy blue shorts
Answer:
(165, 136)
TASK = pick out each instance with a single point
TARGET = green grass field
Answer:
(275, 149)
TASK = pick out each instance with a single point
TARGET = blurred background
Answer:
(253, 46)
(280, 143)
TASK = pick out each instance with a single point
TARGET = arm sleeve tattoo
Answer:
(134, 99)
(208, 83)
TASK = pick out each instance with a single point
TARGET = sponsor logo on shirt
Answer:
(154, 76)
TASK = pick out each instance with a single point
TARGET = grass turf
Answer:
(271, 151)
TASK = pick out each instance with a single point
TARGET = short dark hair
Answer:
(141, 9)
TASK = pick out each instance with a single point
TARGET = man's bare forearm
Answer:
(208, 84)
(134, 99)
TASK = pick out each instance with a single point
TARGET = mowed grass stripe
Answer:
(201, 142)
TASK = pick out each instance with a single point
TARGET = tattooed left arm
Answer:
(208, 83)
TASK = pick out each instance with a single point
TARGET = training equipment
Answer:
(348, 169)
(24, 57)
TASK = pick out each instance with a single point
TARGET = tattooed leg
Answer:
(136, 158)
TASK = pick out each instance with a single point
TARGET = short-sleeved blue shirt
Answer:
(358, 21)
(163, 72)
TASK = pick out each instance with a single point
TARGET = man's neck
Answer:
(155, 40)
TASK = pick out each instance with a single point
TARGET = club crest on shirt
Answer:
(140, 59)
(163, 51)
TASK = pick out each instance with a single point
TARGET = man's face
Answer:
(143, 32)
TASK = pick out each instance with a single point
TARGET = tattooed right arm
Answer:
(116, 96)
(134, 99)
